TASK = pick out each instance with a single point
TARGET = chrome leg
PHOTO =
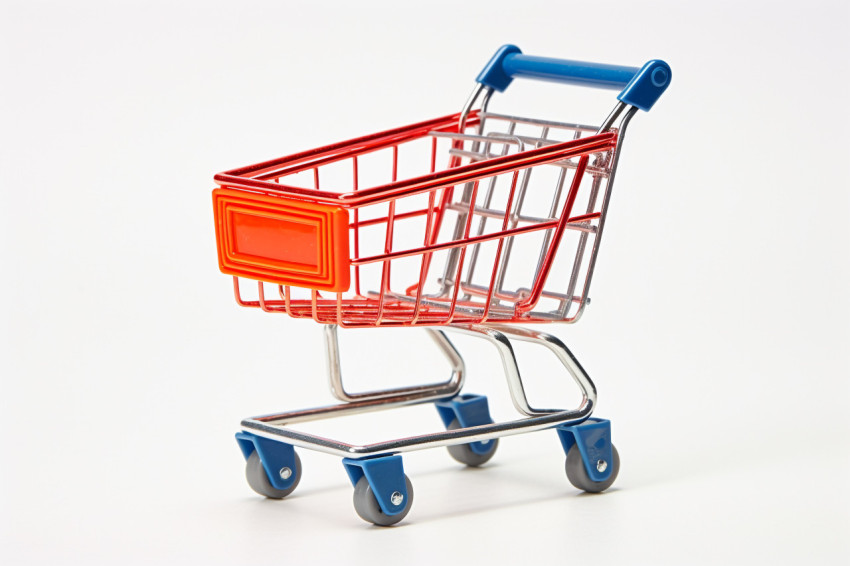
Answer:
(417, 393)
(500, 337)
(273, 426)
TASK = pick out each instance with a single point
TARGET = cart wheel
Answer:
(577, 473)
(367, 506)
(259, 481)
(464, 454)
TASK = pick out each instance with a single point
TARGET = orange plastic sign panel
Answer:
(281, 240)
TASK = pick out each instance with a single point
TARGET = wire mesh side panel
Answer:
(544, 274)
(511, 246)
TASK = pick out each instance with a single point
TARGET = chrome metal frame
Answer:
(405, 395)
(276, 426)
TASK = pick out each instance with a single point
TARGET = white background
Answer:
(718, 334)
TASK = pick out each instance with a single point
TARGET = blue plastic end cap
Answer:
(647, 86)
(493, 74)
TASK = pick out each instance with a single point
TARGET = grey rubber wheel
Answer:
(464, 454)
(577, 473)
(259, 481)
(369, 510)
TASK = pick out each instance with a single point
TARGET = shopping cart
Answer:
(472, 223)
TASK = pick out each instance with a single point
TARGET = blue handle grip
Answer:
(641, 87)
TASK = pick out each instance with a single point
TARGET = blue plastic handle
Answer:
(641, 87)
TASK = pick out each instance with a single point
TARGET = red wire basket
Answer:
(487, 219)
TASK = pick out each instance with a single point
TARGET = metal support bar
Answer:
(402, 394)
(272, 426)
(498, 336)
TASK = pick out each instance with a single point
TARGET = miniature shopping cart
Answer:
(472, 223)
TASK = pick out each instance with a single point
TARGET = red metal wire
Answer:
(409, 306)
